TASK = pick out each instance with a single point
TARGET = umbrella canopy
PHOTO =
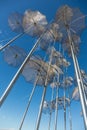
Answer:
(62, 62)
(67, 82)
(50, 36)
(57, 57)
(37, 68)
(75, 94)
(55, 84)
(84, 75)
(14, 55)
(54, 52)
(50, 106)
(76, 40)
(15, 21)
(68, 17)
(34, 23)
(73, 20)
(64, 15)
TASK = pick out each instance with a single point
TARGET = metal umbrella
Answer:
(84, 75)
(18, 23)
(67, 82)
(34, 23)
(35, 66)
(15, 21)
(70, 25)
(68, 17)
(52, 104)
(14, 55)
(76, 40)
(51, 35)
(75, 94)
(57, 58)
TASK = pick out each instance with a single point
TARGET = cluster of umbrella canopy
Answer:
(64, 29)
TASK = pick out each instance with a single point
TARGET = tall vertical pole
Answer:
(51, 109)
(40, 109)
(64, 108)
(49, 120)
(79, 81)
(56, 112)
(57, 100)
(69, 109)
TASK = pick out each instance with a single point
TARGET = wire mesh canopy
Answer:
(34, 22)
(51, 106)
(76, 40)
(14, 55)
(54, 52)
(64, 15)
(15, 22)
(62, 62)
(55, 84)
(67, 82)
(75, 94)
(57, 57)
(37, 68)
(68, 17)
(84, 75)
(50, 36)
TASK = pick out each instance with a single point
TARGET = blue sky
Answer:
(12, 110)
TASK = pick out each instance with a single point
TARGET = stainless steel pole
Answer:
(51, 109)
(70, 117)
(10, 86)
(40, 109)
(69, 109)
(64, 108)
(56, 112)
(49, 120)
(79, 81)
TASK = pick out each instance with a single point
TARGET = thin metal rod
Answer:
(70, 117)
(40, 109)
(56, 112)
(29, 101)
(52, 96)
(69, 109)
(10, 86)
(50, 115)
(79, 81)
(64, 108)
(11, 41)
